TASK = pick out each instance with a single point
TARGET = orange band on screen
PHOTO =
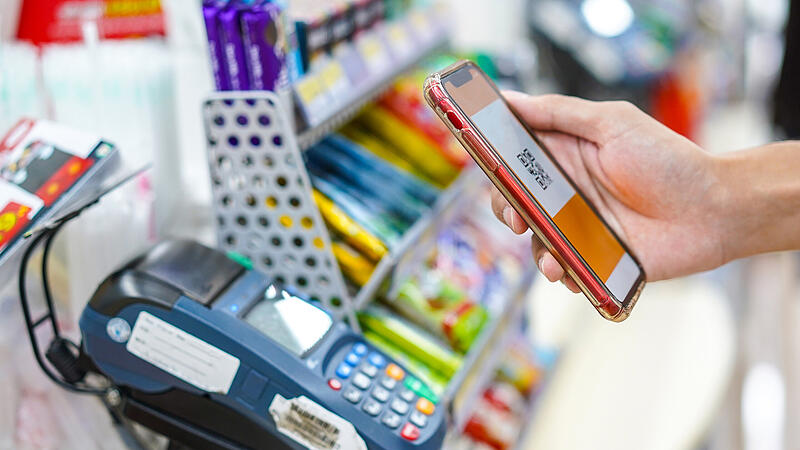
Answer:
(587, 233)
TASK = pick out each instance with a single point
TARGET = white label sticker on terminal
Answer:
(185, 356)
(312, 425)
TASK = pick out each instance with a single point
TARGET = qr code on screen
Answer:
(534, 168)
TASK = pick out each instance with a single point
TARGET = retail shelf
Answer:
(481, 361)
(531, 409)
(341, 85)
(404, 252)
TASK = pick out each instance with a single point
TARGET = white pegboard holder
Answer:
(262, 199)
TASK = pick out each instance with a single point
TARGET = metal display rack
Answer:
(265, 210)
(482, 360)
(329, 98)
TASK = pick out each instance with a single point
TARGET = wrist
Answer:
(757, 200)
(723, 212)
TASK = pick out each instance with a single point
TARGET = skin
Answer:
(678, 208)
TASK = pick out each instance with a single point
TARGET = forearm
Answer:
(760, 199)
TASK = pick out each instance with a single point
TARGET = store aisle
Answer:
(675, 361)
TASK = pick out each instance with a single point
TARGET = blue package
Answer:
(415, 187)
(358, 212)
(383, 188)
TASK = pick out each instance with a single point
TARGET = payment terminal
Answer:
(214, 355)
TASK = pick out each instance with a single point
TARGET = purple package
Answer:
(233, 46)
(265, 46)
(211, 9)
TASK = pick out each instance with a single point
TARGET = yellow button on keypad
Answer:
(425, 406)
(394, 371)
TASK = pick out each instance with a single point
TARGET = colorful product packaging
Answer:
(380, 149)
(265, 46)
(382, 190)
(432, 383)
(342, 22)
(349, 230)
(358, 211)
(211, 10)
(493, 425)
(410, 144)
(405, 102)
(408, 183)
(355, 266)
(313, 29)
(249, 45)
(234, 61)
(441, 308)
(410, 340)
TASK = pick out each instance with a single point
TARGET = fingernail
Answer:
(508, 217)
(540, 264)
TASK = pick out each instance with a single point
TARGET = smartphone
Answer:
(537, 187)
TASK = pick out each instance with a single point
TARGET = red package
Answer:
(492, 426)
(43, 21)
(406, 104)
(13, 218)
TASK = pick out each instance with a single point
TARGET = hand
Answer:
(656, 189)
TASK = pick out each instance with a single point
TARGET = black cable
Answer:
(45, 281)
(48, 233)
(23, 297)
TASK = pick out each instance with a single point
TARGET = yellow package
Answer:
(354, 266)
(378, 148)
(352, 233)
(415, 147)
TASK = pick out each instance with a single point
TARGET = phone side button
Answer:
(452, 116)
(485, 155)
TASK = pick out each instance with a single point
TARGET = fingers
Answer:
(594, 121)
(571, 285)
(506, 214)
(549, 267)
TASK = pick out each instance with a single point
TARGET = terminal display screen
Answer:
(290, 321)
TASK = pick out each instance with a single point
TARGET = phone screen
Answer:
(586, 232)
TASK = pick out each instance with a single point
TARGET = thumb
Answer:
(598, 122)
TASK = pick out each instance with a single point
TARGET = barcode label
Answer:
(313, 426)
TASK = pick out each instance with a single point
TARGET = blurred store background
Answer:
(707, 362)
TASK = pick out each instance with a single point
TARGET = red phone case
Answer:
(516, 194)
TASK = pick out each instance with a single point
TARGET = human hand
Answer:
(657, 190)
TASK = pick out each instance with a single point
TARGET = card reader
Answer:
(214, 355)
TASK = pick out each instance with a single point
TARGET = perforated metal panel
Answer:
(262, 196)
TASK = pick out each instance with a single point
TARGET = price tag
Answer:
(373, 52)
(309, 88)
(399, 39)
(421, 24)
(313, 96)
(336, 82)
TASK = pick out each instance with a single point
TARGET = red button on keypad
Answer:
(410, 432)
(335, 384)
